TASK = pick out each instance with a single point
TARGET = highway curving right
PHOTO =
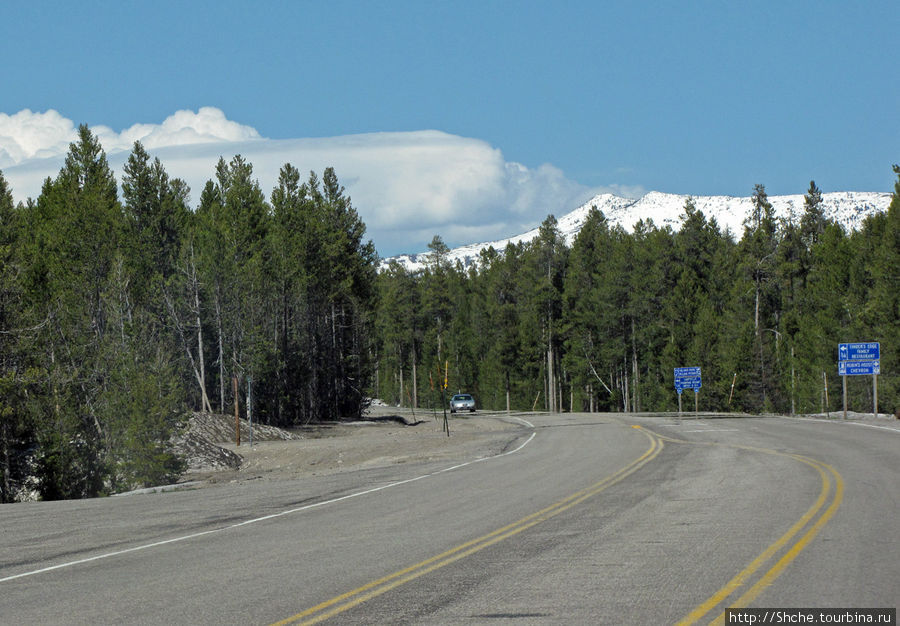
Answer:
(584, 519)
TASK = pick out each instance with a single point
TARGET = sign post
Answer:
(844, 377)
(860, 359)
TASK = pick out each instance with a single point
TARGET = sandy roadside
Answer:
(333, 448)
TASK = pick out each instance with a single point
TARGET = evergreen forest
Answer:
(123, 308)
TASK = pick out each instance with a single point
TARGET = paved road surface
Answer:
(587, 518)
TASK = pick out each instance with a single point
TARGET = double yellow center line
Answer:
(744, 587)
(753, 579)
(353, 598)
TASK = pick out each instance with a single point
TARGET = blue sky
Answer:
(538, 104)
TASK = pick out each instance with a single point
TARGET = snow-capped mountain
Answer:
(849, 208)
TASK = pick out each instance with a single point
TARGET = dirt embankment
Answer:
(391, 436)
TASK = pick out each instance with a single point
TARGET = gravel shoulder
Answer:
(393, 436)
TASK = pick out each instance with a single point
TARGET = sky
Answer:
(464, 119)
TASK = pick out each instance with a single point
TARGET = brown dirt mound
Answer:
(196, 443)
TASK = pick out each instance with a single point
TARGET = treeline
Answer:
(122, 311)
(600, 326)
(118, 314)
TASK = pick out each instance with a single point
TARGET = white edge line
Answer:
(712, 430)
(848, 423)
(264, 518)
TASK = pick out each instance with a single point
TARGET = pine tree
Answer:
(813, 221)
(585, 309)
(758, 250)
(157, 216)
(13, 425)
(502, 302)
(546, 268)
(70, 250)
(885, 302)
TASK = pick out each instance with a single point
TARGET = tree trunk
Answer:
(415, 382)
(507, 391)
(551, 384)
(221, 351)
(636, 404)
(204, 398)
(5, 495)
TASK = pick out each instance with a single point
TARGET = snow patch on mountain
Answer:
(848, 208)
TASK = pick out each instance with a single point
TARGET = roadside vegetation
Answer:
(124, 308)
(120, 314)
(600, 326)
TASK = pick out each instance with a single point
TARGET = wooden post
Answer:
(237, 417)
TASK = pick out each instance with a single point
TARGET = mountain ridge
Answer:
(849, 208)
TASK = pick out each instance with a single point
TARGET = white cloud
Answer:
(26, 135)
(407, 186)
(207, 125)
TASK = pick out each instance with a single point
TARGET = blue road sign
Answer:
(688, 378)
(859, 368)
(860, 351)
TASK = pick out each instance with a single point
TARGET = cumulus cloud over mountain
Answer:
(407, 186)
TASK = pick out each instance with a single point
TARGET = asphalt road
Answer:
(585, 519)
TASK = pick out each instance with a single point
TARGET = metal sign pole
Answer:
(875, 395)
(696, 395)
(845, 396)
(679, 403)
